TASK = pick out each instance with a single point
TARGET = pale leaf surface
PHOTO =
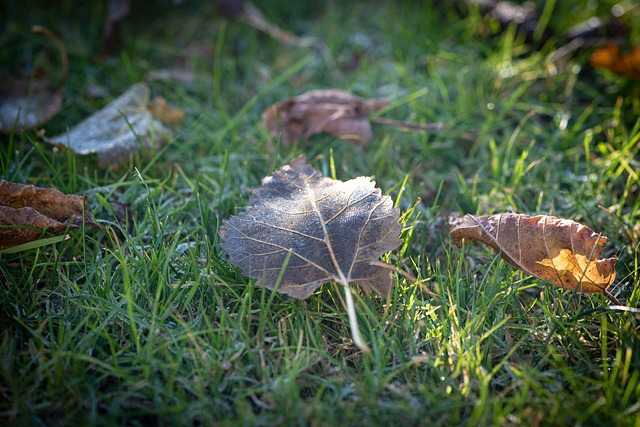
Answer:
(116, 131)
(323, 229)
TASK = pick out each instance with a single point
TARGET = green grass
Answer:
(163, 330)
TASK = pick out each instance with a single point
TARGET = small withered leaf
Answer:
(322, 229)
(611, 58)
(561, 251)
(160, 109)
(333, 111)
(27, 212)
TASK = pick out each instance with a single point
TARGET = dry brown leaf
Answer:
(28, 103)
(336, 112)
(561, 251)
(303, 229)
(27, 212)
(610, 58)
(161, 111)
(333, 111)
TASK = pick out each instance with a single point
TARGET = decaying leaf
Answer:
(159, 108)
(332, 230)
(303, 229)
(610, 58)
(28, 213)
(333, 111)
(336, 112)
(561, 251)
(118, 130)
(28, 103)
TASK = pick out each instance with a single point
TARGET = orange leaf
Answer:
(160, 109)
(561, 251)
(610, 58)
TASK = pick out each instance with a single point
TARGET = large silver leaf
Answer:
(118, 130)
(325, 230)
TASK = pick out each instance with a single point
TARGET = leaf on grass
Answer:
(118, 130)
(333, 111)
(610, 58)
(159, 108)
(29, 213)
(330, 231)
(336, 112)
(561, 251)
(29, 102)
(303, 229)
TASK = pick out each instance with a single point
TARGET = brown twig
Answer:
(61, 49)
(407, 125)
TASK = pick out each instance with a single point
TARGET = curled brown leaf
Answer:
(28, 212)
(611, 58)
(336, 112)
(561, 251)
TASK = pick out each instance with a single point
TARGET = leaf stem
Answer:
(353, 322)
(613, 299)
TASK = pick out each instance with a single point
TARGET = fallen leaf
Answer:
(118, 130)
(336, 112)
(332, 230)
(303, 230)
(610, 58)
(161, 111)
(28, 213)
(561, 251)
(29, 102)
(333, 111)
